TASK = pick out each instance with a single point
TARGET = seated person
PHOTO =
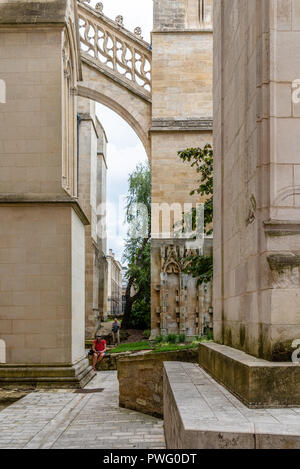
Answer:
(99, 349)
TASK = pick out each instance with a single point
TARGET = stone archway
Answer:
(115, 72)
(135, 110)
(116, 68)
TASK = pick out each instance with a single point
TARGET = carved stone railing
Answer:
(115, 51)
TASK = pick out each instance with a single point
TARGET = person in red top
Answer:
(99, 349)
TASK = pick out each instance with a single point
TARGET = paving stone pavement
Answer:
(69, 420)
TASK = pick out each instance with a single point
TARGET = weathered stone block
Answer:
(141, 380)
(256, 382)
(201, 414)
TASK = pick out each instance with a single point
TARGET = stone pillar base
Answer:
(257, 383)
(47, 376)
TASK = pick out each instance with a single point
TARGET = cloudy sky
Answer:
(124, 149)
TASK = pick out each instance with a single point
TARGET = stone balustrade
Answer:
(113, 49)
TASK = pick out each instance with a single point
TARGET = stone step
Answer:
(202, 414)
(73, 376)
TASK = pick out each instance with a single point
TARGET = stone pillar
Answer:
(92, 197)
(42, 223)
(101, 221)
(182, 118)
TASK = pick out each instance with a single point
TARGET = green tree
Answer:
(201, 267)
(137, 252)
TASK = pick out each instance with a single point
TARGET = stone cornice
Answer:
(280, 262)
(44, 199)
(282, 227)
(29, 12)
(175, 125)
(182, 31)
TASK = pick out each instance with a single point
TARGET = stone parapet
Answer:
(201, 414)
(256, 382)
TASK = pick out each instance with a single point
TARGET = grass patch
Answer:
(133, 347)
(174, 347)
(158, 346)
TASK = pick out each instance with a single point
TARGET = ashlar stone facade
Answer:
(92, 170)
(42, 234)
(256, 144)
(182, 46)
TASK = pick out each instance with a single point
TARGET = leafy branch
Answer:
(201, 267)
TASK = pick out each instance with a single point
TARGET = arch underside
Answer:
(135, 110)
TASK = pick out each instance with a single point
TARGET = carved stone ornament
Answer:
(99, 7)
(66, 54)
(174, 259)
(138, 32)
(285, 270)
(172, 262)
(120, 20)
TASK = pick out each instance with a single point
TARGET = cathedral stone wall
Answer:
(182, 54)
(256, 147)
(41, 222)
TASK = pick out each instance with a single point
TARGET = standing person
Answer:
(116, 331)
(99, 349)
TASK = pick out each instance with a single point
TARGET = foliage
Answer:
(137, 252)
(159, 339)
(202, 160)
(147, 333)
(181, 338)
(201, 267)
(172, 338)
(209, 335)
(140, 316)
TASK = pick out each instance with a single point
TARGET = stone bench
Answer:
(199, 413)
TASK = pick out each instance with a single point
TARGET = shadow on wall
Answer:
(2, 351)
